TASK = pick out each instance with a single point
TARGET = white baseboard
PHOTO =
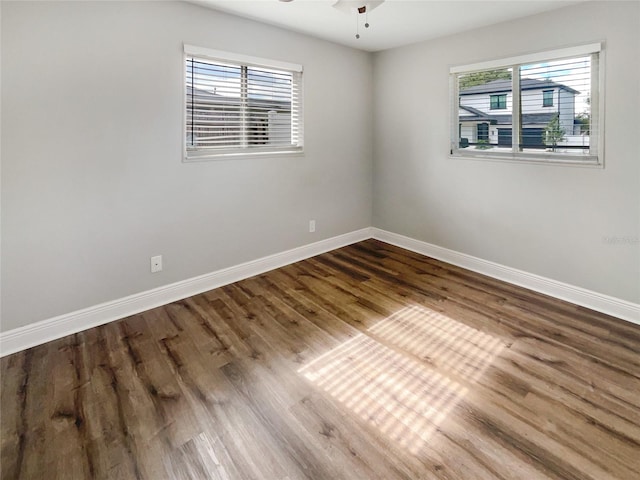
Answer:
(580, 296)
(53, 328)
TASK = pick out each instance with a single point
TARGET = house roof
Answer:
(504, 85)
(474, 112)
(527, 118)
(206, 97)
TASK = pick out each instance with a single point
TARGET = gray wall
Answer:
(92, 178)
(548, 220)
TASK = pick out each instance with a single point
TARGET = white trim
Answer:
(529, 58)
(579, 296)
(57, 327)
(211, 54)
(44, 331)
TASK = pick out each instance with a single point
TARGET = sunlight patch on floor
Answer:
(405, 396)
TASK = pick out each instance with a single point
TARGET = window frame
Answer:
(546, 103)
(244, 62)
(595, 158)
(498, 103)
(485, 131)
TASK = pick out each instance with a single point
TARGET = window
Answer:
(239, 105)
(498, 102)
(483, 132)
(543, 107)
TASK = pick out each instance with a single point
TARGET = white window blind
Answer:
(542, 107)
(236, 105)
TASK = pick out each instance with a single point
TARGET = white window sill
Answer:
(210, 157)
(532, 159)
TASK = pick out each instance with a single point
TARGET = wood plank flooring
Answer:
(368, 362)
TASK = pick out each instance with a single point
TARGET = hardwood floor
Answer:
(368, 362)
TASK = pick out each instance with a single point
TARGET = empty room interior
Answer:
(320, 239)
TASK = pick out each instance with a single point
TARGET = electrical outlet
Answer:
(156, 264)
(312, 226)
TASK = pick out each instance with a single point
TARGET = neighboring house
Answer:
(214, 120)
(485, 111)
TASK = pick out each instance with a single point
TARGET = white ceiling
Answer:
(394, 23)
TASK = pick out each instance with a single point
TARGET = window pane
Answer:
(484, 112)
(232, 107)
(269, 107)
(547, 110)
(214, 105)
(556, 110)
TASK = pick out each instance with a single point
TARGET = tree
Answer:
(480, 78)
(584, 120)
(553, 132)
